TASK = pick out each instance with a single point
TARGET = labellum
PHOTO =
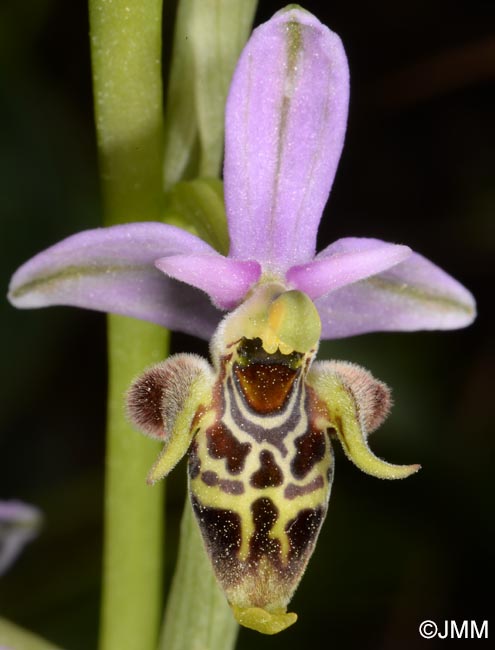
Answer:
(258, 427)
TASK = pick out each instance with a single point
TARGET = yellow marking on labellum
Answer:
(214, 497)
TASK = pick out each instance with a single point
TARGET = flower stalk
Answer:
(126, 56)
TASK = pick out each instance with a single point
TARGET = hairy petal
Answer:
(112, 270)
(285, 124)
(344, 262)
(226, 281)
(19, 524)
(413, 295)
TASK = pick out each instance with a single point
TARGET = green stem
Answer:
(127, 84)
(133, 553)
(126, 56)
(13, 636)
(198, 615)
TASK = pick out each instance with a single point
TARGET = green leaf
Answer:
(220, 29)
(180, 116)
(15, 637)
(197, 614)
(127, 88)
(208, 40)
(198, 207)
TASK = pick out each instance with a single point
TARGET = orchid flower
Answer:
(258, 422)
(19, 524)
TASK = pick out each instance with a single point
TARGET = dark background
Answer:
(418, 168)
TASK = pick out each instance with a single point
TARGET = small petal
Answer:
(344, 262)
(112, 270)
(226, 281)
(19, 524)
(285, 123)
(413, 295)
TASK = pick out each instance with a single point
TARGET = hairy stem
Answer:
(126, 56)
